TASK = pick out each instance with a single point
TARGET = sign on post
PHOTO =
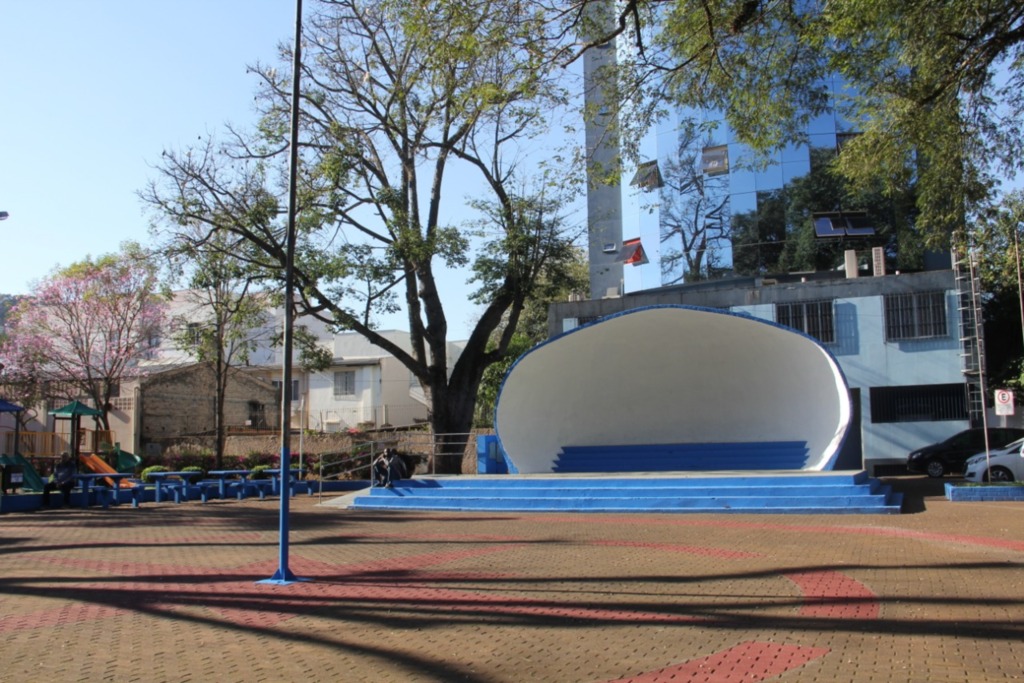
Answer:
(1004, 402)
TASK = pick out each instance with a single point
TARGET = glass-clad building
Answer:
(709, 207)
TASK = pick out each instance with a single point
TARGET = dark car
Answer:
(950, 455)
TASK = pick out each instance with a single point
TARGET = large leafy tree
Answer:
(7, 302)
(17, 384)
(567, 278)
(934, 88)
(1002, 234)
(397, 98)
(83, 328)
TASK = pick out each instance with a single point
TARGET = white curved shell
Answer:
(672, 374)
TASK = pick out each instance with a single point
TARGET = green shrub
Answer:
(254, 460)
(200, 472)
(260, 472)
(152, 468)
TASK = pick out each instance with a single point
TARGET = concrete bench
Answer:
(260, 486)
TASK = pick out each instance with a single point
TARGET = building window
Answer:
(811, 317)
(923, 403)
(715, 160)
(920, 315)
(344, 383)
(295, 388)
(414, 381)
(195, 334)
(647, 176)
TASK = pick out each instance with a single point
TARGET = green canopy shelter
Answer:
(75, 411)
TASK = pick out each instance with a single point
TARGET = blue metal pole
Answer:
(284, 576)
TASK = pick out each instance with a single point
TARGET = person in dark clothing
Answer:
(380, 469)
(63, 479)
(396, 468)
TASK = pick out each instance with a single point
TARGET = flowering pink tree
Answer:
(84, 328)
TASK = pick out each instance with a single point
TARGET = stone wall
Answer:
(179, 403)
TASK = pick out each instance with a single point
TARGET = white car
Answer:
(1005, 464)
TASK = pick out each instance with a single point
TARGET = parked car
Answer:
(1002, 464)
(949, 456)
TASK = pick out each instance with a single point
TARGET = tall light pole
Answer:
(4, 215)
(1020, 287)
(284, 574)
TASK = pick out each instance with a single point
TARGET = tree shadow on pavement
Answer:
(917, 489)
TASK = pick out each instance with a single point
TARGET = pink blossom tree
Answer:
(84, 328)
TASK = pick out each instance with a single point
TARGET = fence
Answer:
(50, 444)
(428, 454)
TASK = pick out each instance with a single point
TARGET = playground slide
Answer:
(32, 480)
(126, 462)
(95, 463)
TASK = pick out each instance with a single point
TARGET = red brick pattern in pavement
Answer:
(745, 663)
(169, 592)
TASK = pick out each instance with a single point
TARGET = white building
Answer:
(364, 386)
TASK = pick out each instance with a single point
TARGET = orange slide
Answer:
(95, 463)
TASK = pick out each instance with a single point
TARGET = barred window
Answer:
(920, 315)
(812, 317)
(922, 403)
(345, 383)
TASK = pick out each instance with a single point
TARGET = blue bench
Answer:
(259, 486)
(684, 457)
(238, 488)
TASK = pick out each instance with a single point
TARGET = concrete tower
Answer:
(604, 201)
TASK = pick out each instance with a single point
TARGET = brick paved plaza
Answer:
(168, 593)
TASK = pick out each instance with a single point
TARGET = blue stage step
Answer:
(812, 493)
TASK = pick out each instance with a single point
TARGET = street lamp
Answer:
(4, 215)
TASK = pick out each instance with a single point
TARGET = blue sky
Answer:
(92, 93)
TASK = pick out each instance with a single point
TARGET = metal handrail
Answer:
(428, 446)
(357, 454)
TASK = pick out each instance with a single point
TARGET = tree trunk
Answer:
(220, 371)
(452, 421)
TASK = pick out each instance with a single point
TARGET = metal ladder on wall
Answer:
(972, 342)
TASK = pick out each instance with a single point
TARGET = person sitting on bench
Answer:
(380, 469)
(63, 479)
(396, 468)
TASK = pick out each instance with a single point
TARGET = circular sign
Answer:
(1004, 402)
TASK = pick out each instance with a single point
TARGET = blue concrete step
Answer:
(810, 493)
